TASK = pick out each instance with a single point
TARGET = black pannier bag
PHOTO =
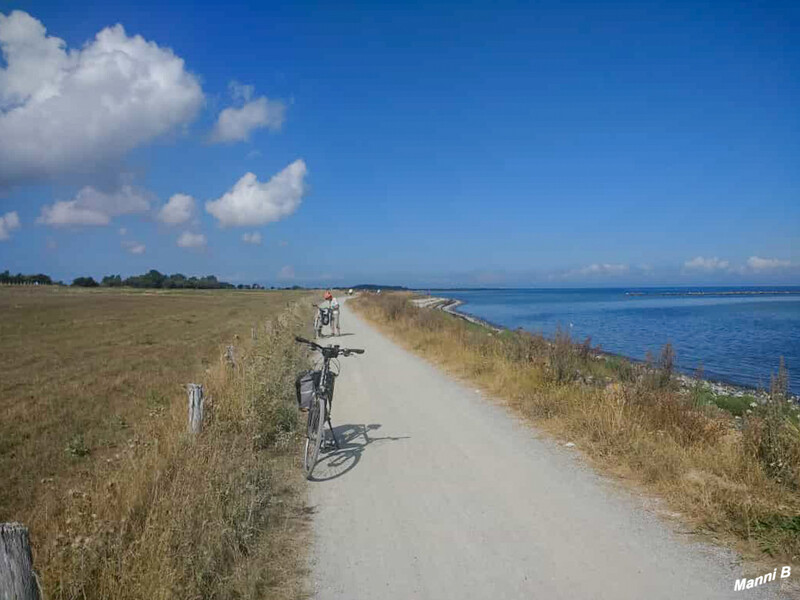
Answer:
(331, 383)
(326, 317)
(304, 385)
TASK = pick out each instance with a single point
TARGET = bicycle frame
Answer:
(325, 392)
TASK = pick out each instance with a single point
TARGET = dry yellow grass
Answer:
(693, 457)
(151, 511)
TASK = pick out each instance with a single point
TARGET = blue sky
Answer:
(555, 144)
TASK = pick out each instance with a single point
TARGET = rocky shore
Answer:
(449, 305)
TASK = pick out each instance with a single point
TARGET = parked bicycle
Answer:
(321, 319)
(315, 393)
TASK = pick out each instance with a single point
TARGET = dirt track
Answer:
(438, 493)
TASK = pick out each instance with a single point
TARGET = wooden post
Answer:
(229, 356)
(17, 579)
(253, 333)
(195, 407)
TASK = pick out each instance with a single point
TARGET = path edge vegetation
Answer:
(733, 475)
(221, 514)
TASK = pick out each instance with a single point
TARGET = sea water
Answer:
(737, 334)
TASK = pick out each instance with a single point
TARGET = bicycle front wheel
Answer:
(314, 434)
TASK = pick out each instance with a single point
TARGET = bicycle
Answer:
(319, 412)
(323, 317)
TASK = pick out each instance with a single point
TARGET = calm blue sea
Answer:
(738, 339)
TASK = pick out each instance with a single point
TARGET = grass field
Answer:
(94, 453)
(738, 481)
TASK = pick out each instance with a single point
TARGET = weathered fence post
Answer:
(17, 579)
(253, 333)
(196, 399)
(229, 356)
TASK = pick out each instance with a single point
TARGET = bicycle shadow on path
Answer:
(353, 440)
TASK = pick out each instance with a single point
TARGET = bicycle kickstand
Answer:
(335, 441)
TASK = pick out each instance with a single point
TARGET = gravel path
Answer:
(438, 493)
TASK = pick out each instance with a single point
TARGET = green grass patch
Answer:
(736, 405)
(621, 368)
(773, 532)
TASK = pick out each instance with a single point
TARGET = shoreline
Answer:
(719, 387)
(450, 306)
(717, 293)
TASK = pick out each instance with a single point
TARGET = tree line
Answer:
(155, 279)
(151, 279)
(20, 279)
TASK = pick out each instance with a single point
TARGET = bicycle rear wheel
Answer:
(314, 434)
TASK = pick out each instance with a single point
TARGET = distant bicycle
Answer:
(315, 393)
(321, 319)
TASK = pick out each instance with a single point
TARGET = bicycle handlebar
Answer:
(336, 349)
(297, 338)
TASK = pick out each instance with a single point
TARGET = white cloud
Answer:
(177, 210)
(600, 269)
(251, 202)
(235, 124)
(757, 263)
(123, 231)
(605, 268)
(62, 214)
(68, 110)
(240, 91)
(8, 223)
(700, 263)
(286, 272)
(252, 238)
(133, 247)
(94, 207)
(191, 240)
